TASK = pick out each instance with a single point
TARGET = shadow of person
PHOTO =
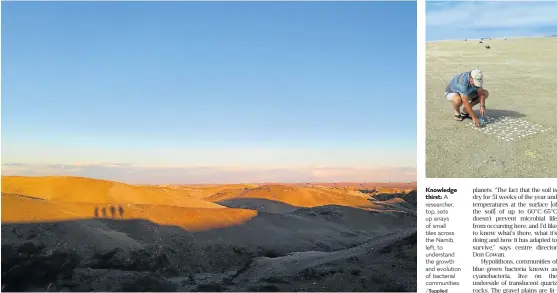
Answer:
(113, 211)
(104, 211)
(96, 212)
(121, 210)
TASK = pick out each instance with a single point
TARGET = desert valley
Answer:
(82, 234)
(136, 106)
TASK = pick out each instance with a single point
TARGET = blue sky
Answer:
(142, 91)
(476, 19)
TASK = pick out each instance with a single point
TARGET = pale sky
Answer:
(453, 20)
(219, 92)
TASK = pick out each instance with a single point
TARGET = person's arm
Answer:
(469, 110)
(467, 106)
(481, 93)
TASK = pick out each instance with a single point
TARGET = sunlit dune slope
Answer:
(392, 190)
(364, 185)
(16, 208)
(87, 190)
(299, 196)
(203, 191)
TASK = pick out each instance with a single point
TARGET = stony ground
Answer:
(520, 75)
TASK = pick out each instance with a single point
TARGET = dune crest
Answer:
(88, 190)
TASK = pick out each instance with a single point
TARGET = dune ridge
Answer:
(88, 190)
(299, 196)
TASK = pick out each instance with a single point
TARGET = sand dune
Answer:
(367, 185)
(299, 196)
(19, 209)
(203, 238)
(87, 190)
(203, 191)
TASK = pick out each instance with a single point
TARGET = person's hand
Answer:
(483, 111)
(476, 121)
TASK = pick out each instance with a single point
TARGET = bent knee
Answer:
(486, 93)
(456, 99)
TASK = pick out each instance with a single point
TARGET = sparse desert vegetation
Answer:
(82, 234)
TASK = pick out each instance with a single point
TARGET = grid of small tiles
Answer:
(507, 128)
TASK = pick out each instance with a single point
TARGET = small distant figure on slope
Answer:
(113, 211)
(104, 211)
(466, 90)
(96, 212)
(121, 210)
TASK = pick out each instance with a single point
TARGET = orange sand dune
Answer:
(367, 185)
(393, 190)
(63, 198)
(20, 209)
(300, 196)
(87, 190)
(203, 191)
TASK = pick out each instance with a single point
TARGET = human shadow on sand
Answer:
(324, 248)
(113, 211)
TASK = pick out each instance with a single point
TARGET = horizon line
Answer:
(493, 38)
(239, 183)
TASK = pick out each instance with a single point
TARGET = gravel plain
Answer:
(520, 141)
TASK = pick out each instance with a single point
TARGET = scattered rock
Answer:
(264, 288)
(211, 287)
(30, 265)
